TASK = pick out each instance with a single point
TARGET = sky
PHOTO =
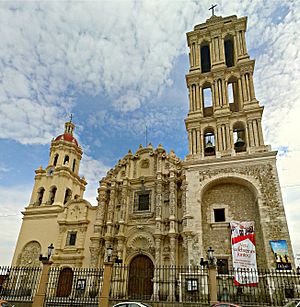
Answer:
(119, 66)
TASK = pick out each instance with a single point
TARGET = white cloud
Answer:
(93, 170)
(13, 201)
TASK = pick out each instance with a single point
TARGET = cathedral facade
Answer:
(155, 208)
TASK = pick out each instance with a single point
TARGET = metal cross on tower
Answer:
(71, 117)
(212, 8)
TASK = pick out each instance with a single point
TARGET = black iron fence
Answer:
(160, 284)
(19, 283)
(266, 287)
(74, 287)
(167, 284)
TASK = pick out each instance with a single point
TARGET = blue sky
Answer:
(120, 66)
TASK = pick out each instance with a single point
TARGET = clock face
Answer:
(50, 171)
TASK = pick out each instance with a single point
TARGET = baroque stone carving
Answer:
(30, 255)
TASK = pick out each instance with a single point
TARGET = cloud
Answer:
(13, 201)
(53, 51)
(93, 170)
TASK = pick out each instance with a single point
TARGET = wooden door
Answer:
(141, 272)
(65, 281)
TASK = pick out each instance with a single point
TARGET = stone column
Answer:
(248, 86)
(190, 98)
(241, 96)
(200, 98)
(172, 201)
(224, 143)
(251, 82)
(198, 140)
(39, 298)
(104, 297)
(172, 283)
(190, 141)
(197, 98)
(219, 138)
(194, 141)
(157, 268)
(260, 132)
(158, 209)
(216, 90)
(255, 132)
(251, 133)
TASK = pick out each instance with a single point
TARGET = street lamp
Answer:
(50, 251)
(210, 256)
(211, 259)
(109, 253)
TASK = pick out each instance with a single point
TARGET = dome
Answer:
(66, 137)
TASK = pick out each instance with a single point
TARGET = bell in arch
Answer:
(209, 147)
(239, 143)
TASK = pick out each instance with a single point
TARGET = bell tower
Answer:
(59, 182)
(230, 174)
(224, 116)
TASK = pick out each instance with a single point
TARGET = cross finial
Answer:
(212, 8)
(71, 117)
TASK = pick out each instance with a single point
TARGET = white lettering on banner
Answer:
(244, 253)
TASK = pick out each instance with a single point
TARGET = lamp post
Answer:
(211, 264)
(108, 265)
(39, 298)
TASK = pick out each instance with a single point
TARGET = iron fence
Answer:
(160, 284)
(19, 283)
(267, 287)
(74, 287)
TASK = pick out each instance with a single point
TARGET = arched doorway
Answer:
(141, 271)
(65, 282)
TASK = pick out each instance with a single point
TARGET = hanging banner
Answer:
(281, 254)
(243, 253)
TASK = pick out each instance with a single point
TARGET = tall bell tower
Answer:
(59, 182)
(224, 116)
(230, 173)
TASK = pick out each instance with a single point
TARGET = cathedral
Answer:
(155, 208)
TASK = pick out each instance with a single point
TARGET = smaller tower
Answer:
(59, 182)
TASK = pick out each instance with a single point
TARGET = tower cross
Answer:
(71, 117)
(212, 8)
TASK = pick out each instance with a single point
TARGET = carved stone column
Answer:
(159, 202)
(157, 268)
(172, 284)
(94, 256)
(172, 202)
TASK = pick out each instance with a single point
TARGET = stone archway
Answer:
(141, 273)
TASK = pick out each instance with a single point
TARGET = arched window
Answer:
(74, 165)
(205, 58)
(55, 159)
(66, 160)
(229, 55)
(209, 142)
(40, 196)
(52, 195)
(68, 195)
(239, 137)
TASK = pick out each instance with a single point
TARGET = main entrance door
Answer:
(141, 272)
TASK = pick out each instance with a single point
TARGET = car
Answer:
(225, 304)
(293, 303)
(5, 304)
(131, 304)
